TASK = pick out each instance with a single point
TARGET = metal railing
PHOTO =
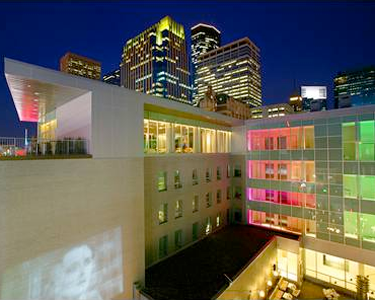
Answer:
(19, 147)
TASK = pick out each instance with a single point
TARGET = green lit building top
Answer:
(156, 62)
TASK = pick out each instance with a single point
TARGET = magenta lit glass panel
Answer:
(282, 197)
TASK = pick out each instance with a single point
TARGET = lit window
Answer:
(162, 181)
(208, 225)
(163, 213)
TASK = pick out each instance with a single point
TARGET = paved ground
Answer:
(197, 272)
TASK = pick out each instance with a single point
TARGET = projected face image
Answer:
(76, 273)
(89, 270)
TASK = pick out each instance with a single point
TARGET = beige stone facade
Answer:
(225, 105)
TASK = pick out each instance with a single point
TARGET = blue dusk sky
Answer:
(305, 43)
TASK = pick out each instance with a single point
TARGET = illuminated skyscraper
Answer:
(80, 65)
(156, 62)
(204, 38)
(355, 88)
(233, 69)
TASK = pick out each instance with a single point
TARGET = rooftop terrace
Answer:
(198, 271)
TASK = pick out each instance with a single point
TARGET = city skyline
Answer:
(306, 52)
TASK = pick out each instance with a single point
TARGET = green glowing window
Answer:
(350, 186)
(368, 227)
(351, 224)
(349, 140)
(367, 187)
(366, 145)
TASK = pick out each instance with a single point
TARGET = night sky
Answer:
(306, 43)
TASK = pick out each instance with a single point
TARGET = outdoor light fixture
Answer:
(262, 294)
(269, 283)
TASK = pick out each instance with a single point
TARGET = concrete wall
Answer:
(254, 277)
(185, 163)
(74, 118)
(117, 123)
(48, 207)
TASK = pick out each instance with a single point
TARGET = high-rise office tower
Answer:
(112, 77)
(233, 69)
(156, 62)
(355, 88)
(204, 38)
(314, 98)
(80, 65)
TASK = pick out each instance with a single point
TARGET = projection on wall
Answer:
(91, 270)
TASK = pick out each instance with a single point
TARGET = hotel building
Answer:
(204, 38)
(233, 69)
(355, 88)
(128, 204)
(80, 65)
(156, 62)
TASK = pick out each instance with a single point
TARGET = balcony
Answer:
(12, 148)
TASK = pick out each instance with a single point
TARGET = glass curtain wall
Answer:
(164, 137)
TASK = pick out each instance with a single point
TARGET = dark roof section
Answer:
(197, 272)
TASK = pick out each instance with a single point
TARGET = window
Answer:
(367, 183)
(269, 195)
(208, 197)
(282, 172)
(238, 192)
(350, 186)
(208, 138)
(195, 203)
(162, 181)
(218, 196)
(237, 171)
(335, 262)
(154, 136)
(195, 233)
(183, 138)
(366, 145)
(269, 171)
(281, 142)
(178, 209)
(218, 173)
(349, 140)
(163, 246)
(178, 239)
(177, 180)
(269, 143)
(218, 220)
(208, 225)
(309, 137)
(228, 171)
(163, 213)
(195, 177)
(208, 175)
(229, 192)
